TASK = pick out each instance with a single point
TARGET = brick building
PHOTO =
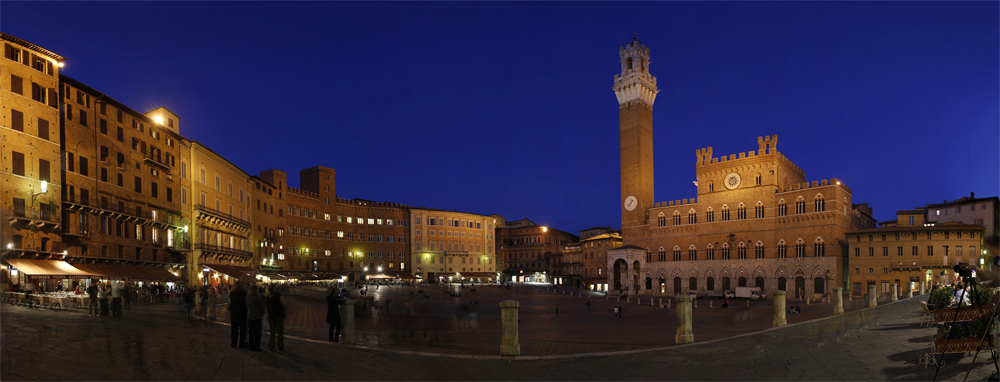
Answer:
(527, 249)
(453, 246)
(910, 249)
(755, 221)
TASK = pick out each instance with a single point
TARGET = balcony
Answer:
(217, 215)
(39, 217)
(223, 253)
(155, 160)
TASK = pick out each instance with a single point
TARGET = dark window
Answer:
(84, 166)
(104, 153)
(121, 160)
(138, 184)
(120, 116)
(121, 134)
(121, 180)
(104, 174)
(83, 117)
(170, 194)
(17, 120)
(43, 170)
(43, 129)
(16, 84)
(69, 111)
(38, 92)
(79, 97)
(154, 192)
(69, 162)
(104, 126)
(104, 107)
(17, 165)
(84, 196)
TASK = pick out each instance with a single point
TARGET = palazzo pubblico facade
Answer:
(756, 221)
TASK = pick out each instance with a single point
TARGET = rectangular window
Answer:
(43, 170)
(70, 165)
(930, 250)
(43, 129)
(17, 163)
(16, 85)
(84, 166)
(138, 185)
(17, 120)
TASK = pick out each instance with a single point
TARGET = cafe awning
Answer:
(406, 276)
(228, 270)
(380, 276)
(159, 274)
(45, 268)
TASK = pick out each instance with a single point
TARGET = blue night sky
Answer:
(507, 107)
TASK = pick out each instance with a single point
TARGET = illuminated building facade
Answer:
(755, 221)
(452, 246)
(527, 250)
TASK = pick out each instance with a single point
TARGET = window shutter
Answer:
(43, 129)
(16, 84)
(7, 52)
(17, 160)
(17, 120)
(50, 68)
(25, 57)
(43, 170)
(52, 96)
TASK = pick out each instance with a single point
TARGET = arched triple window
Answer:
(800, 206)
(741, 213)
(710, 252)
(725, 251)
(677, 253)
(661, 220)
(661, 255)
(725, 213)
(741, 251)
(692, 217)
(782, 208)
(710, 215)
(782, 249)
(758, 250)
(800, 248)
(819, 204)
(677, 218)
(692, 253)
(759, 210)
(819, 250)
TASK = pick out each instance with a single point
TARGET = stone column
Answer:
(872, 300)
(895, 292)
(508, 317)
(909, 289)
(779, 308)
(211, 306)
(684, 332)
(838, 301)
(347, 320)
(921, 289)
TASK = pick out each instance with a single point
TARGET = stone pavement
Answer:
(156, 342)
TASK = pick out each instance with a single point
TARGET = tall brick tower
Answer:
(636, 91)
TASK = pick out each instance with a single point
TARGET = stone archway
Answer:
(618, 270)
(635, 277)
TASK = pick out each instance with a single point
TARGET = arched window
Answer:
(782, 208)
(725, 251)
(741, 213)
(725, 283)
(741, 251)
(692, 217)
(661, 255)
(759, 282)
(661, 220)
(693, 283)
(649, 256)
(819, 250)
(711, 187)
(800, 248)
(710, 252)
(725, 213)
(742, 281)
(758, 250)
(710, 283)
(819, 204)
(757, 179)
(677, 218)
(759, 210)
(800, 206)
(782, 250)
(628, 63)
(820, 286)
(692, 253)
(677, 253)
(710, 215)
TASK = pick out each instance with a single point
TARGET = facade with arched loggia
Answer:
(756, 221)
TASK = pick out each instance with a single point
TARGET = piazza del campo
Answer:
(133, 249)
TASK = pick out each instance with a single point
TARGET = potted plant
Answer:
(961, 337)
(945, 310)
(940, 298)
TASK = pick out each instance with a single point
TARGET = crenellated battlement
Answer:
(815, 184)
(676, 203)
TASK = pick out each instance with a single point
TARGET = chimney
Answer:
(972, 195)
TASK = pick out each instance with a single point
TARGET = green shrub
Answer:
(982, 296)
(940, 298)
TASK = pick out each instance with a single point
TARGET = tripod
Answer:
(987, 334)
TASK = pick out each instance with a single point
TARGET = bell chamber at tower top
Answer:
(635, 82)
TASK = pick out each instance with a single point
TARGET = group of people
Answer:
(794, 309)
(103, 294)
(247, 308)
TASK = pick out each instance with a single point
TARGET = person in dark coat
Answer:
(238, 315)
(276, 318)
(333, 303)
(256, 308)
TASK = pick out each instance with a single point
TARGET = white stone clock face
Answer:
(630, 203)
(732, 181)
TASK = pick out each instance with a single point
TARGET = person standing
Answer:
(619, 311)
(255, 315)
(104, 295)
(189, 302)
(93, 308)
(557, 310)
(588, 305)
(238, 315)
(276, 318)
(116, 300)
(333, 303)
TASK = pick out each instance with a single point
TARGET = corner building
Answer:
(756, 221)
(450, 246)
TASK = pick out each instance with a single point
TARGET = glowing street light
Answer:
(158, 119)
